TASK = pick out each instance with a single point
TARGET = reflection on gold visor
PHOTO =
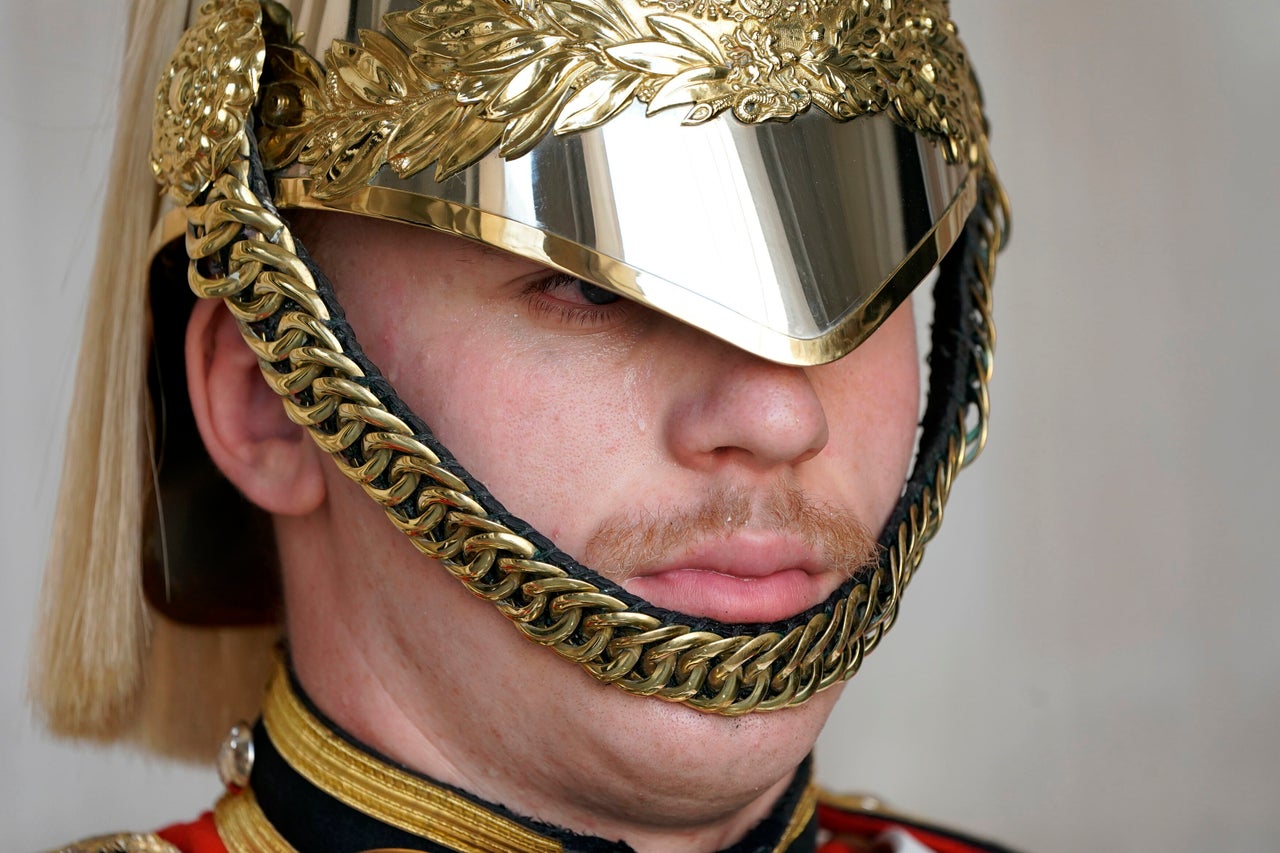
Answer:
(780, 176)
(793, 241)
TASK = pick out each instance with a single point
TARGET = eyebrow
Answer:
(488, 251)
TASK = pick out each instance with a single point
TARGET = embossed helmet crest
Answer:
(462, 78)
(841, 142)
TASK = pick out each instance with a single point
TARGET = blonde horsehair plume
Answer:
(104, 666)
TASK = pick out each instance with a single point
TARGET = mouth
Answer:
(748, 577)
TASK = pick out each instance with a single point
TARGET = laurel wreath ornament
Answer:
(452, 80)
(205, 95)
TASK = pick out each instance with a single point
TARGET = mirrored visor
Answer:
(792, 240)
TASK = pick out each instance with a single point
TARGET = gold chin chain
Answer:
(242, 253)
(273, 297)
(385, 792)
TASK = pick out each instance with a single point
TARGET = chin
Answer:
(660, 758)
(544, 738)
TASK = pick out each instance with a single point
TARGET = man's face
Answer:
(702, 478)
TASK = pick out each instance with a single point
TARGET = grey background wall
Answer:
(1089, 660)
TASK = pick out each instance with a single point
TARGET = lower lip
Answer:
(728, 598)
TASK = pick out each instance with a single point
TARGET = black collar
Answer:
(315, 788)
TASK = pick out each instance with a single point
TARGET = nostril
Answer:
(805, 457)
(753, 413)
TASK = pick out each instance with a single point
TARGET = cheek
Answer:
(520, 411)
(549, 433)
(872, 399)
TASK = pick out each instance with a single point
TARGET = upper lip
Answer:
(742, 554)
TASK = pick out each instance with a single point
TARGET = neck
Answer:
(306, 766)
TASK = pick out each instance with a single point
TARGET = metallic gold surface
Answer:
(481, 74)
(203, 99)
(244, 828)
(772, 219)
(782, 329)
(856, 803)
(794, 244)
(799, 819)
(386, 792)
(124, 842)
(242, 253)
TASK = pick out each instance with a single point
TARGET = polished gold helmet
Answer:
(780, 175)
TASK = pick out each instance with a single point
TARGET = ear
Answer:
(271, 460)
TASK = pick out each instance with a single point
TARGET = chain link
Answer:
(243, 253)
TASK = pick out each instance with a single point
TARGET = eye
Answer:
(597, 295)
(576, 291)
(572, 302)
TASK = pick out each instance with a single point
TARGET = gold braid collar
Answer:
(392, 796)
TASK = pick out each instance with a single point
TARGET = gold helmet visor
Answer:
(780, 178)
(792, 241)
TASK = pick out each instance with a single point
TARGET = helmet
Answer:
(780, 175)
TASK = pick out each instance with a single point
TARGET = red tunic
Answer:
(852, 832)
(199, 836)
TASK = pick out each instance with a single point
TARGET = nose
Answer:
(746, 411)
